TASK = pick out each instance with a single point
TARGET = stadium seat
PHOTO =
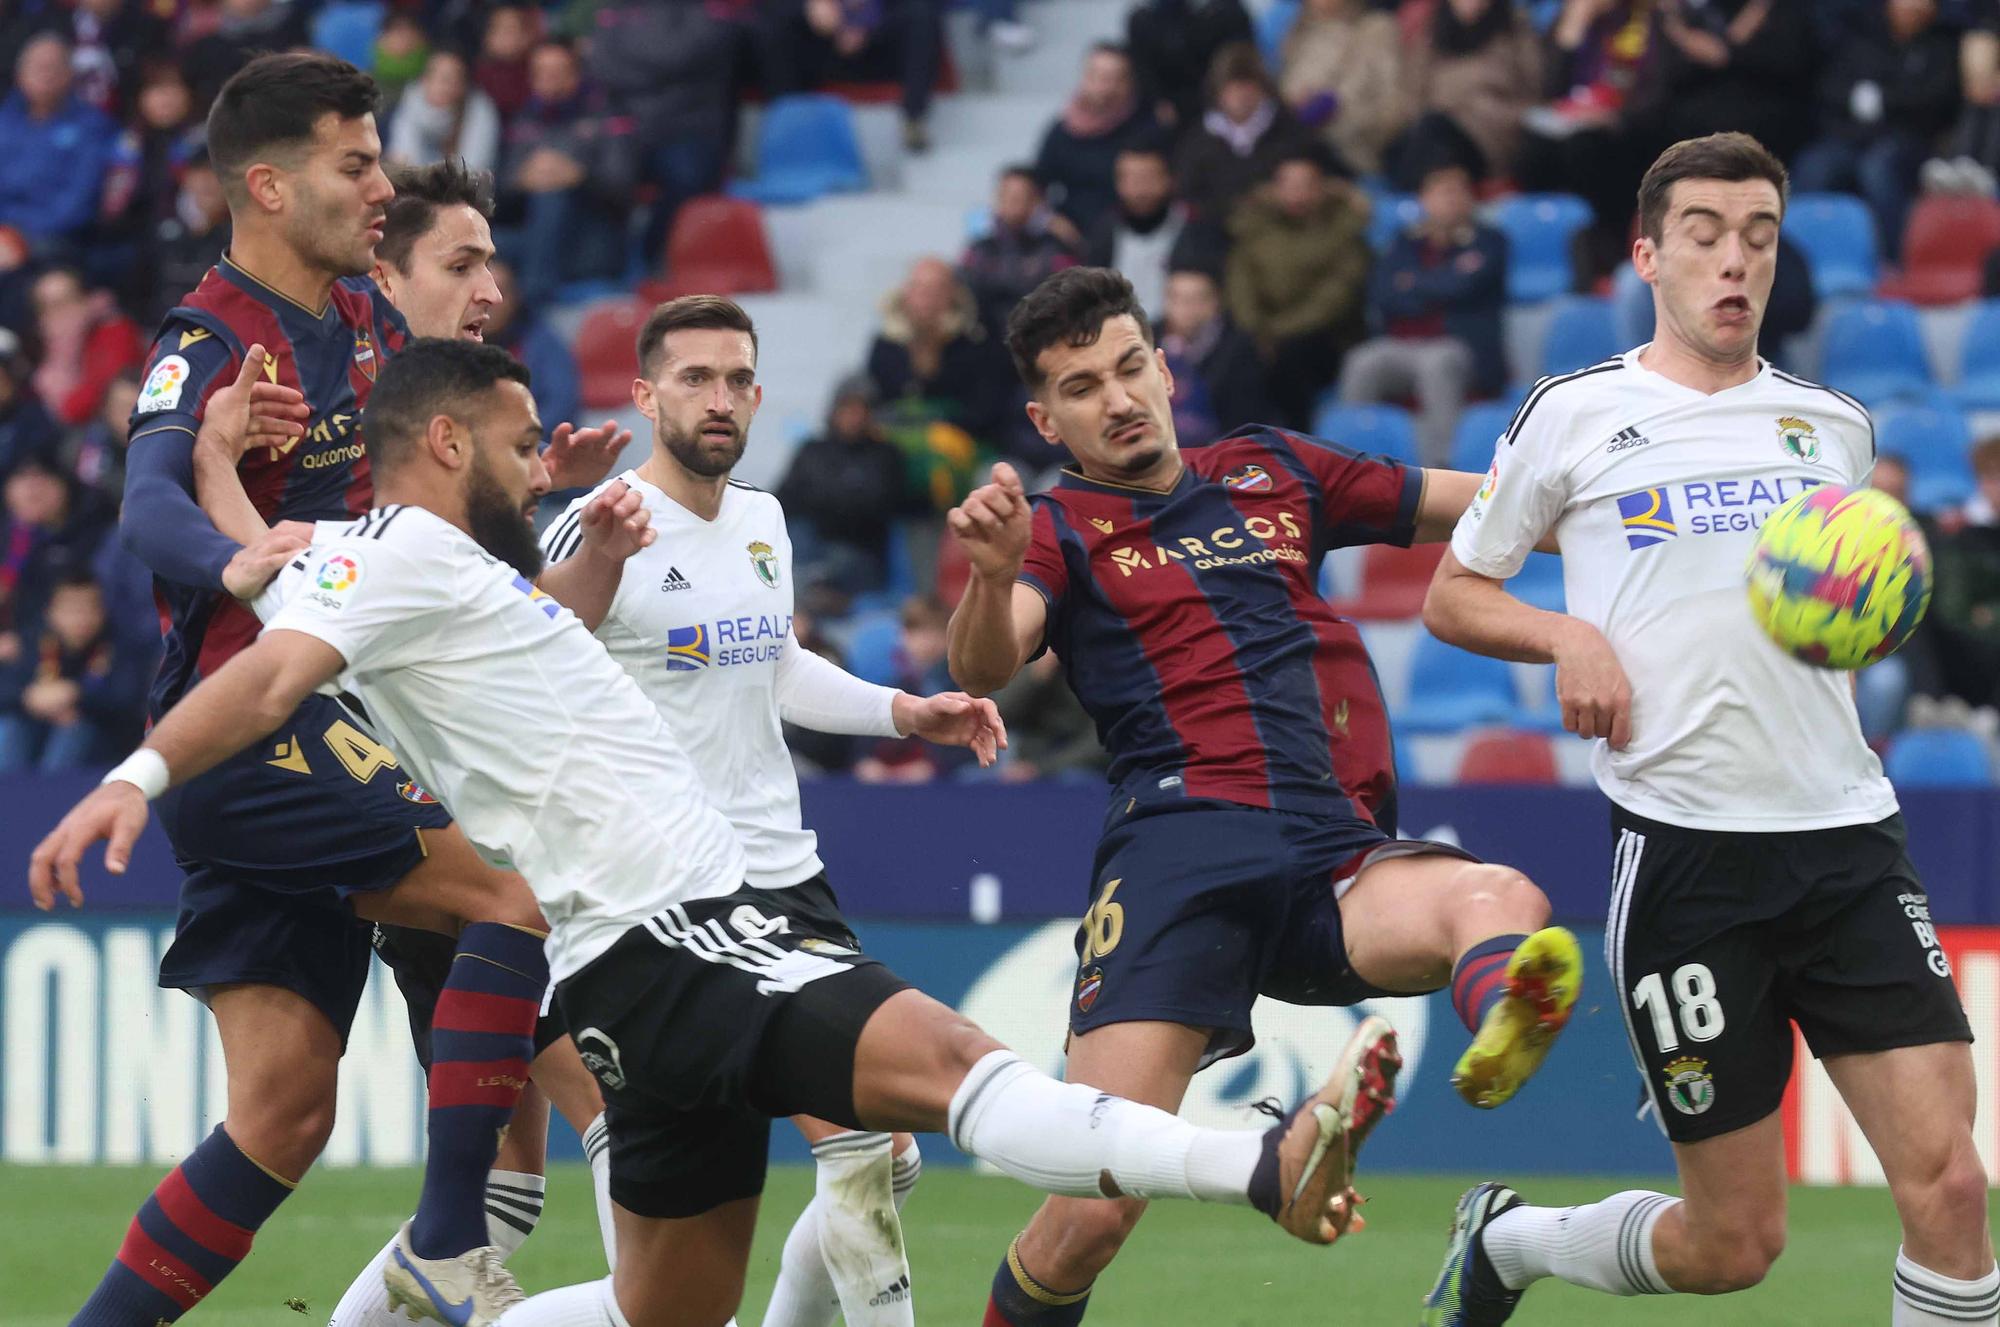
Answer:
(1979, 365)
(871, 648)
(1273, 26)
(1390, 214)
(718, 247)
(1505, 755)
(1581, 332)
(1936, 443)
(1368, 428)
(1479, 428)
(1944, 249)
(1393, 581)
(1451, 690)
(806, 148)
(347, 29)
(605, 342)
(1837, 234)
(1539, 228)
(1873, 350)
(1939, 758)
(1539, 582)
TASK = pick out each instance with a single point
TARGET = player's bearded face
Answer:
(704, 398)
(340, 196)
(499, 523)
(505, 480)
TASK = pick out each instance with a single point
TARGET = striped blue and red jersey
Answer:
(1190, 625)
(332, 356)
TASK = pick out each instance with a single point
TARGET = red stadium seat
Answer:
(1944, 249)
(606, 344)
(718, 247)
(1504, 755)
(1393, 581)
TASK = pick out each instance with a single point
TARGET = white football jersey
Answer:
(703, 623)
(496, 698)
(1655, 492)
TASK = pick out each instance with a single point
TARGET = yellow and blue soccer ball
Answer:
(1840, 576)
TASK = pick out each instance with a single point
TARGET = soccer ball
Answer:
(1840, 576)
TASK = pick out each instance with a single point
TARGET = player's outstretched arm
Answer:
(1447, 493)
(819, 694)
(1000, 621)
(1476, 613)
(246, 699)
(615, 525)
(251, 411)
(581, 458)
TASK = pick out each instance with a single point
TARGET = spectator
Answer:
(1473, 74)
(1342, 68)
(1049, 733)
(1218, 375)
(1298, 274)
(48, 524)
(58, 149)
(933, 358)
(1983, 507)
(669, 65)
(443, 115)
(1437, 296)
(402, 49)
(506, 50)
(26, 431)
(1887, 93)
(96, 452)
(1079, 150)
(77, 695)
(1000, 22)
(814, 752)
(1240, 140)
(86, 342)
(1714, 65)
(191, 240)
(164, 137)
(515, 325)
(1011, 259)
(847, 487)
(247, 27)
(921, 671)
(1965, 609)
(566, 176)
(1139, 235)
(1173, 43)
(109, 39)
(1892, 476)
(808, 43)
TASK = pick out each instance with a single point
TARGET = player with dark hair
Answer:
(284, 845)
(1251, 846)
(1760, 877)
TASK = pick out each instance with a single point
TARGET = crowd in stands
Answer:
(1318, 201)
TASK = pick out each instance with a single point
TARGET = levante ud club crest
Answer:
(365, 360)
(1248, 479)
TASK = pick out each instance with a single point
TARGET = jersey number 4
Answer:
(358, 753)
(1701, 1017)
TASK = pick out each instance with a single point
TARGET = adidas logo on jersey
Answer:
(675, 581)
(1625, 440)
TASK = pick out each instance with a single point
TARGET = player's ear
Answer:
(449, 442)
(1038, 415)
(1646, 259)
(265, 184)
(642, 396)
(1166, 374)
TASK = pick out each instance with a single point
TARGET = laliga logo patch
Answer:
(1248, 479)
(1690, 1086)
(162, 390)
(339, 573)
(1492, 483)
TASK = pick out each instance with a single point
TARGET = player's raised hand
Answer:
(253, 411)
(952, 718)
(1591, 686)
(616, 523)
(581, 458)
(994, 523)
(116, 813)
(246, 574)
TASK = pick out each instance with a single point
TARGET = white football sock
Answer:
(1063, 1137)
(588, 1305)
(804, 1295)
(597, 1147)
(1605, 1246)
(845, 1254)
(513, 1205)
(366, 1303)
(1929, 1299)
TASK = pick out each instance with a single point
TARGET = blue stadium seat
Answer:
(806, 148)
(1451, 689)
(1581, 332)
(347, 29)
(1936, 443)
(1392, 212)
(1837, 233)
(1979, 367)
(1479, 428)
(1872, 350)
(1539, 582)
(871, 647)
(1939, 758)
(1539, 228)
(1273, 26)
(1368, 428)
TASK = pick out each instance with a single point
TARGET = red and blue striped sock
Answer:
(1480, 978)
(190, 1234)
(1019, 1300)
(481, 1039)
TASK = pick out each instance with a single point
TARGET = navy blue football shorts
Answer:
(1200, 906)
(272, 843)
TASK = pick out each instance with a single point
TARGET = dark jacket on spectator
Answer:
(1421, 288)
(26, 429)
(111, 677)
(1172, 43)
(1917, 80)
(1004, 265)
(1214, 178)
(211, 60)
(1230, 370)
(850, 489)
(52, 172)
(1758, 92)
(1078, 170)
(181, 257)
(32, 557)
(973, 385)
(587, 131)
(551, 367)
(670, 64)
(1290, 276)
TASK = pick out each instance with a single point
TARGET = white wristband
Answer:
(145, 769)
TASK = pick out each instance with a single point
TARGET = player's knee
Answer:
(1950, 1195)
(283, 1132)
(708, 1301)
(1491, 889)
(1739, 1259)
(1090, 1236)
(962, 1044)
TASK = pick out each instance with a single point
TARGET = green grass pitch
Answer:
(1203, 1266)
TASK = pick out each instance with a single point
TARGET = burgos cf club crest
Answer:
(1690, 1086)
(1648, 518)
(1248, 479)
(765, 561)
(1798, 439)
